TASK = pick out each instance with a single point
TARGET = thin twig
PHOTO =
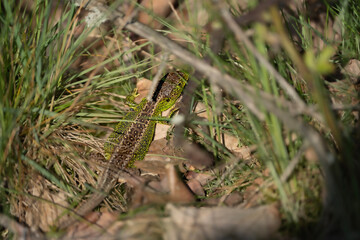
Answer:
(248, 94)
(158, 75)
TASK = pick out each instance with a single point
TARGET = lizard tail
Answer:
(82, 210)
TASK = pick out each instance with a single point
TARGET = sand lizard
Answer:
(131, 139)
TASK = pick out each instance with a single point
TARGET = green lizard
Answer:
(131, 138)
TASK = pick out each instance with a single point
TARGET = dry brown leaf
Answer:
(170, 189)
(158, 156)
(222, 223)
(311, 155)
(196, 187)
(251, 193)
(203, 177)
(352, 69)
(232, 143)
(44, 205)
(197, 156)
(107, 228)
(94, 227)
(179, 192)
(160, 8)
(143, 86)
(200, 111)
(233, 199)
(161, 129)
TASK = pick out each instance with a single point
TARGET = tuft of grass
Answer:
(50, 108)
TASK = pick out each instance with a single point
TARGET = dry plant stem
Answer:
(201, 65)
(239, 90)
(158, 75)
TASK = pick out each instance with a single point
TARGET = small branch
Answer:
(250, 96)
(158, 75)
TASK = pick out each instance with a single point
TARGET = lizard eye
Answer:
(168, 99)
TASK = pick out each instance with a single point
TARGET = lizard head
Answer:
(169, 89)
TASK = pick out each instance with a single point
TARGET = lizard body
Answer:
(131, 138)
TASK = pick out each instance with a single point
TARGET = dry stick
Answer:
(156, 80)
(224, 80)
(248, 94)
(244, 92)
(241, 91)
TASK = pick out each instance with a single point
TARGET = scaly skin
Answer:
(131, 139)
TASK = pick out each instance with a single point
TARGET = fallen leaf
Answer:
(161, 130)
(232, 143)
(160, 8)
(93, 226)
(32, 208)
(143, 86)
(221, 223)
(200, 111)
(196, 187)
(233, 199)
(179, 192)
(160, 153)
(202, 177)
(171, 188)
(198, 156)
(352, 69)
